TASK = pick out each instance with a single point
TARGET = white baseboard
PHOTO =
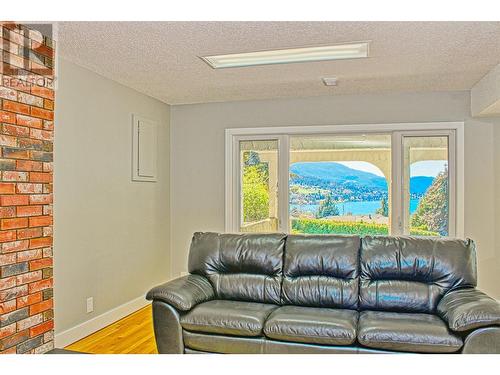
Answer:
(84, 329)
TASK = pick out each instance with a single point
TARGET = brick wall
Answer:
(26, 143)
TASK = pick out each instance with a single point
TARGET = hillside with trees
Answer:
(255, 188)
(432, 211)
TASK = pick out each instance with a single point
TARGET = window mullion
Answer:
(397, 205)
(283, 183)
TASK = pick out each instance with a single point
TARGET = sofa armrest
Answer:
(467, 309)
(183, 293)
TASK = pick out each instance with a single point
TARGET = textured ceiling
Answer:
(161, 59)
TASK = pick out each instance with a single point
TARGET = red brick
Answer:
(14, 200)
(42, 91)
(44, 135)
(40, 263)
(7, 188)
(29, 300)
(13, 223)
(30, 99)
(27, 188)
(29, 277)
(13, 293)
(40, 285)
(23, 211)
(12, 341)
(28, 165)
(7, 117)
(41, 69)
(40, 177)
(28, 143)
(23, 234)
(48, 125)
(48, 188)
(28, 121)
(48, 252)
(29, 322)
(11, 350)
(14, 176)
(41, 306)
(8, 93)
(48, 104)
(10, 247)
(7, 282)
(41, 155)
(40, 199)
(42, 49)
(36, 243)
(48, 167)
(18, 131)
(42, 328)
(7, 259)
(8, 236)
(26, 146)
(16, 61)
(47, 209)
(10, 47)
(9, 141)
(14, 35)
(16, 107)
(24, 256)
(40, 221)
(8, 330)
(6, 164)
(42, 113)
(7, 212)
(15, 153)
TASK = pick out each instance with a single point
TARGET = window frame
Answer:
(454, 130)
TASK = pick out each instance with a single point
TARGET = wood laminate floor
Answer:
(130, 335)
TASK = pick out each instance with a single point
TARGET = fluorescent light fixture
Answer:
(286, 56)
(330, 81)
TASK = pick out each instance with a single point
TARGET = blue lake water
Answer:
(356, 208)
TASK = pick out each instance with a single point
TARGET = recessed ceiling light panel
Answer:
(286, 56)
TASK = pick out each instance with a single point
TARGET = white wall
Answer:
(485, 94)
(496, 146)
(197, 157)
(111, 234)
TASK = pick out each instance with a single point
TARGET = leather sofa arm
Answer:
(183, 293)
(467, 309)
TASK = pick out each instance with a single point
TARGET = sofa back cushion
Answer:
(245, 267)
(412, 274)
(321, 271)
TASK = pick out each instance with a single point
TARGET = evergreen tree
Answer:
(255, 188)
(384, 208)
(327, 208)
(432, 210)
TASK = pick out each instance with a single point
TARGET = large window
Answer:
(259, 186)
(397, 179)
(340, 184)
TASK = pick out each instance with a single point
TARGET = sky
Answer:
(429, 168)
(362, 166)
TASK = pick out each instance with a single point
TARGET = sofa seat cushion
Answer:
(406, 332)
(228, 318)
(312, 325)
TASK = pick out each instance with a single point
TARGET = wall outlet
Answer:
(90, 304)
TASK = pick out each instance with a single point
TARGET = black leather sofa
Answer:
(273, 293)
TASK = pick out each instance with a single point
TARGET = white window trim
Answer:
(233, 135)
